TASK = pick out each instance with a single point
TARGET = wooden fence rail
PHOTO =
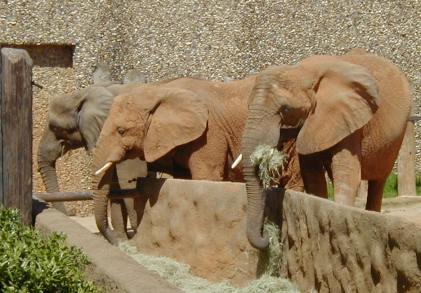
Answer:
(16, 131)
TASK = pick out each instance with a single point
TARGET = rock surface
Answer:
(199, 223)
(325, 246)
(333, 248)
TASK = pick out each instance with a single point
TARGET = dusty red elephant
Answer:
(350, 115)
(187, 126)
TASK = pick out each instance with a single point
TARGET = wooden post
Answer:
(16, 131)
(406, 163)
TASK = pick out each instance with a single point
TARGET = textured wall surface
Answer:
(325, 246)
(212, 39)
(332, 248)
(199, 223)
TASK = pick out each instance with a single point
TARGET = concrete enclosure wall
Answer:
(212, 39)
(325, 246)
(332, 248)
(200, 223)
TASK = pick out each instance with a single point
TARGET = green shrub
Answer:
(391, 186)
(30, 262)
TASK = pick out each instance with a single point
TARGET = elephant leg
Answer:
(119, 218)
(346, 172)
(313, 174)
(206, 157)
(375, 195)
(132, 213)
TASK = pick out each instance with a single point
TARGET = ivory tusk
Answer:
(237, 161)
(104, 168)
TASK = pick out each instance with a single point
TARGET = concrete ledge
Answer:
(111, 267)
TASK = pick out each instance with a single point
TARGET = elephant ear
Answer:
(346, 98)
(179, 117)
(92, 112)
(134, 76)
(101, 74)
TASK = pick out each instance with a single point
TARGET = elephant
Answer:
(349, 114)
(75, 120)
(189, 128)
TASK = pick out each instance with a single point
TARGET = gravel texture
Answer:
(212, 39)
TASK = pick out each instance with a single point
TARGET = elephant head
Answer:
(74, 120)
(323, 98)
(147, 123)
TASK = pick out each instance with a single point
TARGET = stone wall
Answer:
(332, 248)
(212, 39)
(200, 223)
(325, 246)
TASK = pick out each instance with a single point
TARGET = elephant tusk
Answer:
(104, 168)
(237, 161)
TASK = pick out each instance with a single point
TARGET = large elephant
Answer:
(188, 125)
(349, 113)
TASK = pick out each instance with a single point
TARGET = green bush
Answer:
(30, 262)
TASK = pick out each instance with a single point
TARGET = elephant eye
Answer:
(285, 109)
(121, 131)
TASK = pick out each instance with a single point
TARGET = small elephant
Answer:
(349, 113)
(187, 124)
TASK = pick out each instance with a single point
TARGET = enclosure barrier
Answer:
(334, 248)
(16, 131)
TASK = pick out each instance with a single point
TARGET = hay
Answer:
(180, 276)
(270, 258)
(269, 161)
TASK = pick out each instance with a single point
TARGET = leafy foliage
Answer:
(30, 262)
(390, 187)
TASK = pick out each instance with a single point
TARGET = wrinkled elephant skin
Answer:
(350, 114)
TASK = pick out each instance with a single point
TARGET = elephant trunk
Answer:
(48, 175)
(49, 151)
(256, 132)
(101, 216)
(102, 185)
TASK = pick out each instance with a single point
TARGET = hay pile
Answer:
(270, 162)
(180, 275)
(270, 258)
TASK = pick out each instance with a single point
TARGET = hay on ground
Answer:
(180, 276)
